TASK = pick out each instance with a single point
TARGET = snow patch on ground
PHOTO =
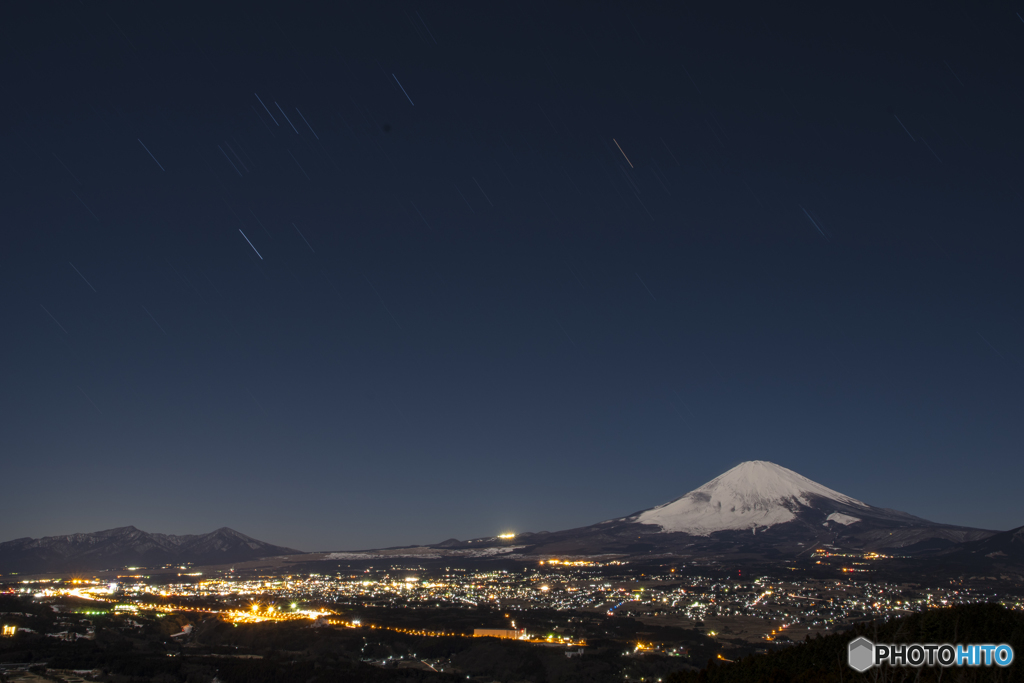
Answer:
(840, 518)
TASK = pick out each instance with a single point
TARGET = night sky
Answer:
(343, 277)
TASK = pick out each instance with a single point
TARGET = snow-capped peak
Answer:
(755, 493)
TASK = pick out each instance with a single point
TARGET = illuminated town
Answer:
(758, 609)
(645, 620)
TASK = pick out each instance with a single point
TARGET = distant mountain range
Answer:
(128, 546)
(757, 511)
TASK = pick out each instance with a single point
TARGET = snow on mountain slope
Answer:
(752, 494)
(840, 518)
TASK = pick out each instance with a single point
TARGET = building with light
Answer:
(510, 633)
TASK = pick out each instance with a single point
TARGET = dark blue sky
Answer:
(473, 313)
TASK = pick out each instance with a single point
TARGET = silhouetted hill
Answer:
(128, 546)
(1006, 546)
(824, 659)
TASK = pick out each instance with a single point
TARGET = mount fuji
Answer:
(753, 494)
(757, 508)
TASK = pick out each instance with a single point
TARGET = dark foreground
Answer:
(72, 644)
(824, 659)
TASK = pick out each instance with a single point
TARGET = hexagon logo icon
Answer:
(861, 654)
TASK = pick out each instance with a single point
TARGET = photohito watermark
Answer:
(862, 654)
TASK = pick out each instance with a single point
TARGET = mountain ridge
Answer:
(130, 546)
(756, 510)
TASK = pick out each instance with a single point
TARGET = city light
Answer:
(609, 588)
